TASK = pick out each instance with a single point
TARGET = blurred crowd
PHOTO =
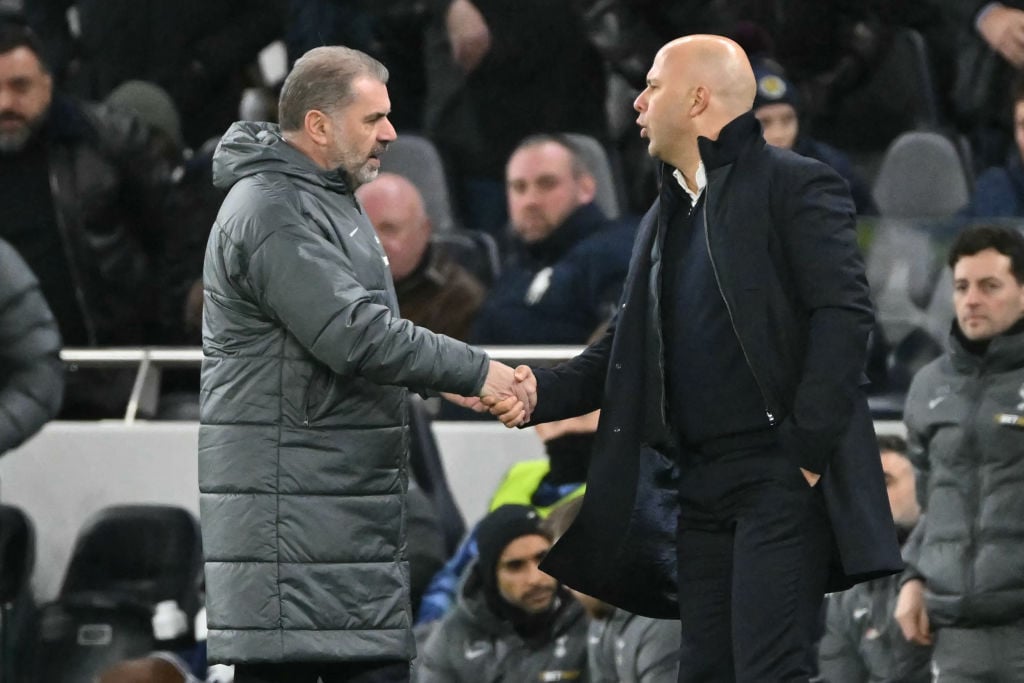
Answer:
(510, 221)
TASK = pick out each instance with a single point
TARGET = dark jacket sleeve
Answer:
(31, 372)
(816, 224)
(576, 386)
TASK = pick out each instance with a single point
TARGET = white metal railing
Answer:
(151, 360)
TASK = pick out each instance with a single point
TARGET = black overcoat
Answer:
(781, 235)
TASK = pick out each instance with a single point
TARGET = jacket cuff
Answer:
(806, 454)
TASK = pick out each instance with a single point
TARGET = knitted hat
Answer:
(772, 85)
(495, 531)
(152, 105)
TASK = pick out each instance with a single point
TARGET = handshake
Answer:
(510, 395)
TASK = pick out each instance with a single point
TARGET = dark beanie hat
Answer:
(495, 531)
(772, 85)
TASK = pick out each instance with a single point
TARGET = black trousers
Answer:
(340, 672)
(753, 552)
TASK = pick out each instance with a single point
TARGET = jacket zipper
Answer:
(76, 279)
(967, 444)
(728, 309)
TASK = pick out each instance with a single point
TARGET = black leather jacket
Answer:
(109, 188)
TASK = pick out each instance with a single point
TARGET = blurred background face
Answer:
(25, 94)
(987, 297)
(395, 208)
(780, 124)
(542, 190)
(520, 581)
(899, 483)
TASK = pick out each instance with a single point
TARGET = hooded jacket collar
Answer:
(251, 147)
(1003, 352)
(583, 222)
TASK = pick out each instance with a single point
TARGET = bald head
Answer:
(696, 85)
(395, 207)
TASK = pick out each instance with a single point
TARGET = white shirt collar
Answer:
(702, 182)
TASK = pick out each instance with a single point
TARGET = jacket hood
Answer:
(248, 148)
(1002, 352)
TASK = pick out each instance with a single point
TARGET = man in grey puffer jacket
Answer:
(512, 622)
(965, 423)
(303, 437)
(31, 373)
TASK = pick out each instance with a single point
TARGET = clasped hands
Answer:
(510, 395)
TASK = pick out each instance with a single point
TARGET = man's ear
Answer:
(699, 100)
(317, 126)
(587, 185)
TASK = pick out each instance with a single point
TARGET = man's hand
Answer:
(911, 614)
(468, 34)
(523, 398)
(500, 388)
(1003, 29)
(811, 477)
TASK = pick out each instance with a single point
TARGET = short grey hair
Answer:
(322, 80)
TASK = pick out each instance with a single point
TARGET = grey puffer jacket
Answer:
(474, 645)
(303, 436)
(31, 372)
(629, 648)
(965, 426)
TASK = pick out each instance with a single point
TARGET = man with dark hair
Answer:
(512, 622)
(82, 192)
(566, 263)
(304, 428)
(964, 588)
(863, 642)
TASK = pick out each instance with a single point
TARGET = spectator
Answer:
(198, 51)
(777, 107)
(999, 191)
(990, 45)
(83, 193)
(862, 641)
(191, 208)
(31, 373)
(563, 278)
(544, 483)
(964, 588)
(433, 290)
(622, 647)
(530, 61)
(512, 621)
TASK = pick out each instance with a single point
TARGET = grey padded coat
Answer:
(303, 436)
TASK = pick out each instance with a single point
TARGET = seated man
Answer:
(999, 191)
(512, 621)
(862, 640)
(83, 192)
(433, 290)
(622, 647)
(544, 483)
(564, 275)
(776, 106)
